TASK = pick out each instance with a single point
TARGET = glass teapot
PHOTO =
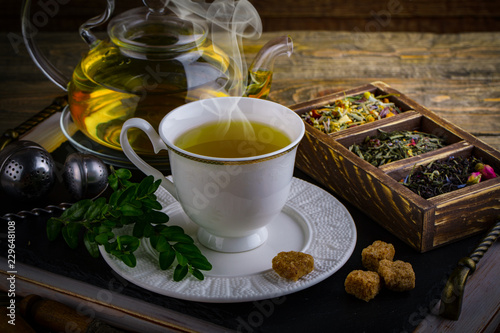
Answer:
(157, 58)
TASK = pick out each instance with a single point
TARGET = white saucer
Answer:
(313, 221)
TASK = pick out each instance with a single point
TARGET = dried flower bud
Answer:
(486, 171)
(474, 178)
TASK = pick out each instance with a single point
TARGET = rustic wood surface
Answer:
(438, 16)
(455, 75)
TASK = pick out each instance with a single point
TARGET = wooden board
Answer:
(440, 16)
(481, 302)
(454, 75)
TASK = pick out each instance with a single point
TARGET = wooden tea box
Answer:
(422, 223)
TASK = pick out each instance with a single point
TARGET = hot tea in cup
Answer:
(233, 139)
(232, 161)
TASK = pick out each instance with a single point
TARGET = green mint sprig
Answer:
(129, 204)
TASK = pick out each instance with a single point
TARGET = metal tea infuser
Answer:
(26, 171)
(85, 175)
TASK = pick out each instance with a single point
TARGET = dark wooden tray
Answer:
(422, 223)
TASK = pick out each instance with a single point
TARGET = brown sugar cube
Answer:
(371, 255)
(293, 265)
(364, 285)
(397, 275)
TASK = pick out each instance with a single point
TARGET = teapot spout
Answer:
(261, 70)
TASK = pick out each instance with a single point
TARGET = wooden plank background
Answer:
(454, 75)
(438, 16)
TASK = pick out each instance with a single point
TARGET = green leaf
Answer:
(105, 209)
(172, 230)
(150, 203)
(133, 204)
(201, 263)
(130, 210)
(154, 240)
(188, 250)
(108, 223)
(197, 274)
(126, 220)
(138, 230)
(77, 211)
(162, 244)
(181, 238)
(143, 188)
(70, 234)
(115, 213)
(176, 234)
(129, 259)
(154, 186)
(136, 203)
(180, 272)
(181, 259)
(113, 199)
(128, 243)
(158, 228)
(166, 259)
(91, 234)
(91, 245)
(103, 228)
(109, 247)
(54, 227)
(123, 174)
(113, 182)
(116, 253)
(126, 196)
(95, 209)
(104, 237)
(149, 230)
(156, 217)
(125, 183)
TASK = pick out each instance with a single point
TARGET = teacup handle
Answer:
(158, 145)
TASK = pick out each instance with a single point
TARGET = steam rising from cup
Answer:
(229, 21)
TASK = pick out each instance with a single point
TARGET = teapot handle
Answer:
(29, 31)
(84, 30)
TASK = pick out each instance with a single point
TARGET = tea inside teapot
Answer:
(155, 69)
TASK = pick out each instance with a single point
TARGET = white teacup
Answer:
(230, 199)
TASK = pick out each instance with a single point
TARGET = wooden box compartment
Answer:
(422, 223)
(408, 121)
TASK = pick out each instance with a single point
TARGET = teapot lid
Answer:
(142, 32)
